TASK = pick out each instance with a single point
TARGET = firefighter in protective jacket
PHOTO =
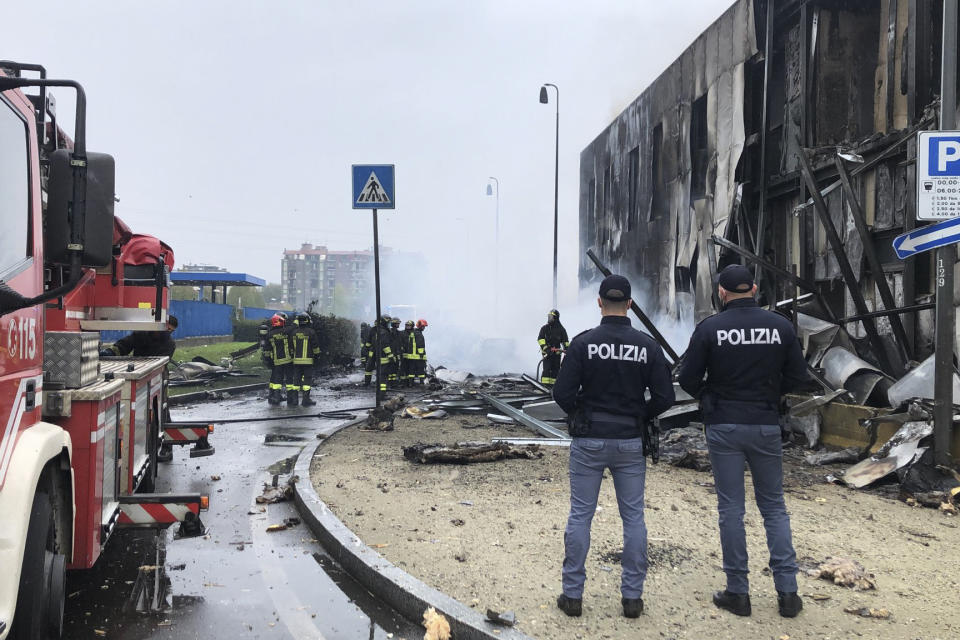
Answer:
(380, 353)
(364, 332)
(408, 354)
(305, 348)
(396, 345)
(278, 353)
(553, 341)
(419, 364)
(366, 352)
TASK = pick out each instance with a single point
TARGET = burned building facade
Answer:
(710, 159)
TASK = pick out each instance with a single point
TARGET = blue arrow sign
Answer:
(926, 238)
(373, 186)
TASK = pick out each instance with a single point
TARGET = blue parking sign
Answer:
(938, 175)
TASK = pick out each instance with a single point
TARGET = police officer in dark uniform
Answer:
(601, 387)
(750, 357)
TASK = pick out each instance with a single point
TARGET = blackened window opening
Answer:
(634, 186)
(699, 153)
(659, 204)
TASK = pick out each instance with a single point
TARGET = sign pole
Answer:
(946, 258)
(374, 188)
(376, 284)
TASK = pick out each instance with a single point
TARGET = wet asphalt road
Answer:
(238, 581)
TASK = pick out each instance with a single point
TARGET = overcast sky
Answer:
(234, 124)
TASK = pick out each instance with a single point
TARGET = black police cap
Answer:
(736, 278)
(615, 288)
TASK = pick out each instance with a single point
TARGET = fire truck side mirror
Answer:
(98, 223)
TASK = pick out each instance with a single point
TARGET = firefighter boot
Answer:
(293, 398)
(306, 400)
(273, 397)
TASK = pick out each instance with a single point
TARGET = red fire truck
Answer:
(79, 435)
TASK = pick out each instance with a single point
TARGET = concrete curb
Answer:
(396, 587)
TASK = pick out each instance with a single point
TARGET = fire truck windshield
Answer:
(14, 190)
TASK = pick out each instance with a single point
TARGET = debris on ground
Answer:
(283, 526)
(381, 418)
(274, 494)
(685, 447)
(507, 618)
(929, 484)
(807, 425)
(844, 572)
(868, 612)
(451, 376)
(201, 371)
(436, 625)
(421, 413)
(819, 458)
(468, 452)
(902, 449)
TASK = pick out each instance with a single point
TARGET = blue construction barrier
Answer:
(201, 318)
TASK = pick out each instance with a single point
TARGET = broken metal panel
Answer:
(703, 303)
(545, 410)
(712, 54)
(842, 368)
(744, 31)
(901, 450)
(818, 336)
(793, 97)
(883, 76)
(532, 423)
(918, 383)
(700, 65)
(883, 216)
(852, 244)
(901, 115)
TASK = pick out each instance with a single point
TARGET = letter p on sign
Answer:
(944, 156)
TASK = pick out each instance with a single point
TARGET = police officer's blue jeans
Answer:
(588, 458)
(759, 446)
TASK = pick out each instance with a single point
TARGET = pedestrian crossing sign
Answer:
(373, 186)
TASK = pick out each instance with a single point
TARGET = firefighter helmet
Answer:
(408, 324)
(553, 315)
(278, 320)
(395, 322)
(385, 319)
(421, 323)
(303, 319)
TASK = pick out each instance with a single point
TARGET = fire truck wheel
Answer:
(39, 613)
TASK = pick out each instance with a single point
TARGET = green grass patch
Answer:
(214, 352)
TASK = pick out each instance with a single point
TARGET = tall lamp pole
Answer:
(544, 99)
(496, 254)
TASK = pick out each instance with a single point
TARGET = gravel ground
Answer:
(491, 535)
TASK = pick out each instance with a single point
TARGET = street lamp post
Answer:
(544, 99)
(496, 255)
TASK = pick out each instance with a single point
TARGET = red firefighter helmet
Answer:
(421, 323)
(277, 320)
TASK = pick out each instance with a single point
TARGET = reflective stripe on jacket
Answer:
(304, 345)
